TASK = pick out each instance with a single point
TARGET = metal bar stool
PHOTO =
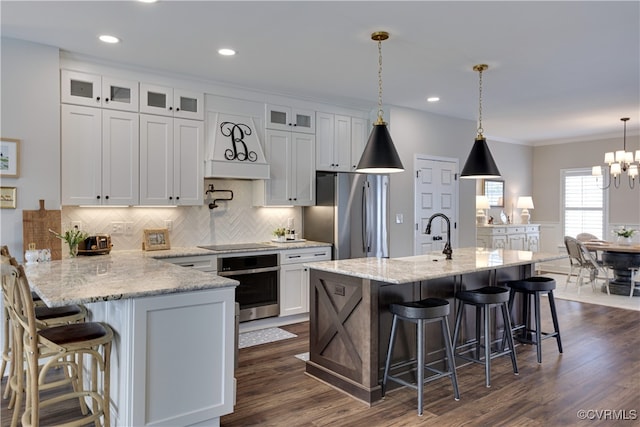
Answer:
(421, 312)
(534, 287)
(483, 299)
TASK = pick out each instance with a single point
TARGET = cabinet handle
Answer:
(177, 197)
(106, 197)
(106, 100)
(97, 98)
(98, 197)
(294, 256)
(170, 108)
(170, 197)
(177, 108)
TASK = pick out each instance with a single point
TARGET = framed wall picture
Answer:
(8, 197)
(494, 190)
(156, 239)
(9, 157)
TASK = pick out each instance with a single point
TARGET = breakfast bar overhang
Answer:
(349, 317)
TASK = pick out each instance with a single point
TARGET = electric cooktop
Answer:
(236, 246)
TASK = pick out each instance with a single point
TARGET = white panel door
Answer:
(188, 146)
(156, 160)
(120, 158)
(436, 191)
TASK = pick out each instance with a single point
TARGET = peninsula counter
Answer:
(172, 358)
(349, 318)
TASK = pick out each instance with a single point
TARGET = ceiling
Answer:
(558, 71)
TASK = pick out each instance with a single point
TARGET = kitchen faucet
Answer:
(447, 246)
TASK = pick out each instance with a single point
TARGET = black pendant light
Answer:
(480, 163)
(380, 155)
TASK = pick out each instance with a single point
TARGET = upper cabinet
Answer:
(99, 156)
(293, 119)
(166, 101)
(93, 90)
(340, 141)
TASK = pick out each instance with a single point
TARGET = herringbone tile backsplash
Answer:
(235, 221)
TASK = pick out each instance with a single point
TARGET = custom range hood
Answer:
(233, 147)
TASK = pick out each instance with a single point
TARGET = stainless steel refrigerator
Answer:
(352, 212)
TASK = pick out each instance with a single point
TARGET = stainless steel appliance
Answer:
(352, 212)
(259, 275)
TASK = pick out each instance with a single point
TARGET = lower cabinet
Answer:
(519, 237)
(294, 278)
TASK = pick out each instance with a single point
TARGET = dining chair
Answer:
(595, 267)
(584, 262)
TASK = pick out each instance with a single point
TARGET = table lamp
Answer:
(482, 203)
(525, 203)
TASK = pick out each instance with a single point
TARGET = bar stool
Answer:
(421, 312)
(534, 287)
(484, 299)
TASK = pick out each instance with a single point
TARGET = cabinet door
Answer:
(287, 118)
(342, 143)
(278, 155)
(188, 147)
(120, 94)
(81, 151)
(358, 140)
(188, 105)
(303, 170)
(518, 242)
(156, 160)
(303, 120)
(120, 158)
(80, 88)
(294, 289)
(325, 134)
(156, 99)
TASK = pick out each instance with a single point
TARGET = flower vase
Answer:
(73, 250)
(624, 241)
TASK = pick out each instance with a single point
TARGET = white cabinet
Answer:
(291, 157)
(205, 263)
(359, 137)
(294, 278)
(93, 90)
(171, 161)
(333, 142)
(521, 237)
(100, 150)
(293, 119)
(166, 101)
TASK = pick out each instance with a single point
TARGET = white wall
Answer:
(30, 112)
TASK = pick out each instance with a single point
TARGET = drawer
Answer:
(532, 229)
(296, 256)
(207, 263)
(499, 230)
(518, 230)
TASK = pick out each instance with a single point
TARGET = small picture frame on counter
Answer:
(155, 239)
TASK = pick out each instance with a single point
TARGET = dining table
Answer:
(620, 258)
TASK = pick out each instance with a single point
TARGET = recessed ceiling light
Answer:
(433, 99)
(147, 1)
(109, 39)
(226, 52)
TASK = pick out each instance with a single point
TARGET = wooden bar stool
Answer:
(421, 312)
(484, 299)
(62, 346)
(534, 287)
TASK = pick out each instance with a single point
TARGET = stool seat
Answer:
(533, 284)
(76, 332)
(429, 308)
(47, 313)
(486, 295)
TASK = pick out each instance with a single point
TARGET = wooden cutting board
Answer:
(35, 229)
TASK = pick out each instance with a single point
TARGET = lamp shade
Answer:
(524, 202)
(380, 155)
(482, 202)
(480, 163)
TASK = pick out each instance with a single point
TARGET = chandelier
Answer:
(619, 162)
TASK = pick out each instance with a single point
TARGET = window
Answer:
(583, 203)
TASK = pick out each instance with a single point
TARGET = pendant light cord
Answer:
(480, 130)
(380, 112)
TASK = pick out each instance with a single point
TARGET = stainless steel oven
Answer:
(258, 291)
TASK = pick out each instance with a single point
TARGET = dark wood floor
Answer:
(599, 371)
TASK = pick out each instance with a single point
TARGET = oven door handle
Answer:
(252, 271)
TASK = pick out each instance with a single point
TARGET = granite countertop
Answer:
(432, 265)
(119, 275)
(131, 274)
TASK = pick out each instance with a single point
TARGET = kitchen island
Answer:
(349, 318)
(172, 359)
